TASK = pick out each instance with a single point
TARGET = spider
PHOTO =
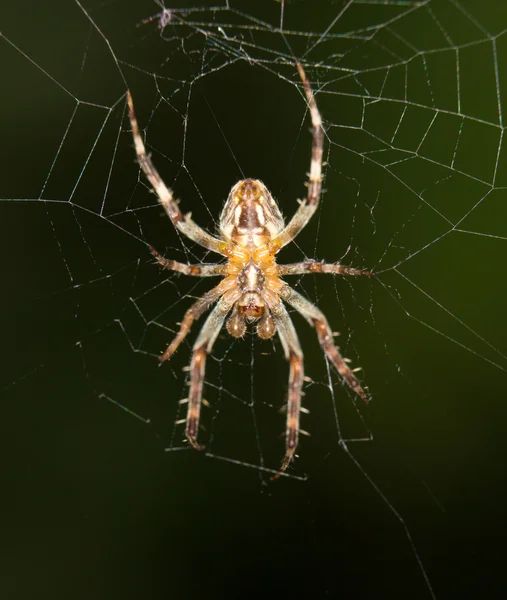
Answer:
(251, 232)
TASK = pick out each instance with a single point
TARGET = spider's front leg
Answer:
(316, 318)
(202, 348)
(194, 312)
(294, 355)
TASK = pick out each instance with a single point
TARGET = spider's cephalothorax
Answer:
(251, 232)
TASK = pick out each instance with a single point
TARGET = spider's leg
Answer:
(315, 178)
(307, 207)
(309, 265)
(202, 348)
(194, 312)
(316, 318)
(165, 195)
(294, 355)
(202, 270)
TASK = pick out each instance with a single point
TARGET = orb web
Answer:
(412, 97)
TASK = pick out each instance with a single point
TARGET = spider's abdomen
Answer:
(250, 217)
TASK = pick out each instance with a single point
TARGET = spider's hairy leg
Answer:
(307, 207)
(309, 265)
(165, 195)
(294, 355)
(201, 270)
(315, 178)
(194, 312)
(316, 318)
(202, 348)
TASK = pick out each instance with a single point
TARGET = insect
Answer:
(251, 233)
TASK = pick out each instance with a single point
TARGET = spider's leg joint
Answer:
(193, 442)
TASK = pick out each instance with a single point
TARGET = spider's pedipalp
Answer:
(236, 325)
(266, 328)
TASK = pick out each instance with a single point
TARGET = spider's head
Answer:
(250, 215)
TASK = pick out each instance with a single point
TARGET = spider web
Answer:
(412, 95)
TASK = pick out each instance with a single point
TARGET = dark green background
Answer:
(93, 505)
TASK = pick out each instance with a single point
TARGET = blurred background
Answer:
(102, 499)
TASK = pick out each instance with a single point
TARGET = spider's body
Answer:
(249, 222)
(251, 233)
